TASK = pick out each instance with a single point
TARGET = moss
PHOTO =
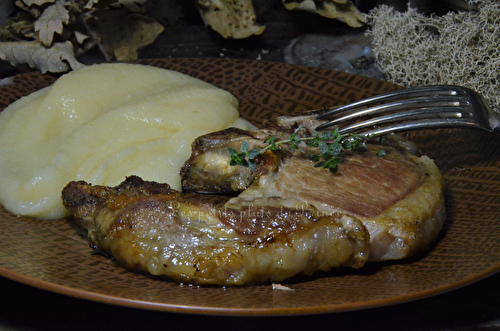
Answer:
(457, 48)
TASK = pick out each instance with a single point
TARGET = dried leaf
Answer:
(90, 4)
(230, 18)
(305, 5)
(342, 10)
(37, 2)
(80, 37)
(51, 21)
(122, 33)
(58, 58)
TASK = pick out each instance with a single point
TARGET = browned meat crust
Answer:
(165, 233)
(83, 205)
(199, 177)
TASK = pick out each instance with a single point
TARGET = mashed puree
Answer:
(100, 124)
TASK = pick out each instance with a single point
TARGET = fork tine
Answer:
(408, 104)
(423, 91)
(458, 112)
(420, 124)
(427, 107)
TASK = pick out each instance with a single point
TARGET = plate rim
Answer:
(217, 311)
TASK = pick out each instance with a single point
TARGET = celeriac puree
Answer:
(100, 124)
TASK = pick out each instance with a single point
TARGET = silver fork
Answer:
(428, 107)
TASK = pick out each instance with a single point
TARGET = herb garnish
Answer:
(331, 144)
(244, 157)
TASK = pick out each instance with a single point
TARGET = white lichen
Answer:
(458, 48)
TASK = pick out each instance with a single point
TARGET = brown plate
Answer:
(52, 255)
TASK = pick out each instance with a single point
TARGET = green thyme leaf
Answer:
(313, 157)
(335, 149)
(271, 140)
(323, 147)
(244, 146)
(326, 135)
(251, 164)
(320, 164)
(334, 169)
(232, 151)
(253, 154)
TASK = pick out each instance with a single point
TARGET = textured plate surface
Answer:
(52, 255)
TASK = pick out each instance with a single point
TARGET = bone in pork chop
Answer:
(399, 197)
(289, 218)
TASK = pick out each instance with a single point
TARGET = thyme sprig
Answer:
(331, 145)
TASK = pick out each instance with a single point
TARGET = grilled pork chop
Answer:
(399, 198)
(151, 228)
(288, 217)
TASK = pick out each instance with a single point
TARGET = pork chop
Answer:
(399, 197)
(150, 228)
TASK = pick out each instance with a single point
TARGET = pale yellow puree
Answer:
(100, 124)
